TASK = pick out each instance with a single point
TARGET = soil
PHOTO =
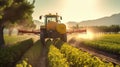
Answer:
(42, 62)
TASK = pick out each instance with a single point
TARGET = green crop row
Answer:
(111, 38)
(109, 43)
(78, 58)
(10, 55)
(111, 48)
(56, 58)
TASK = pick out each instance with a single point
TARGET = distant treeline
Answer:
(106, 29)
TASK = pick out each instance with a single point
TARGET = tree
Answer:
(115, 28)
(26, 24)
(11, 11)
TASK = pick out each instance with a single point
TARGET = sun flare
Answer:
(88, 35)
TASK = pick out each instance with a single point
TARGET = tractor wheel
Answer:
(64, 37)
(42, 38)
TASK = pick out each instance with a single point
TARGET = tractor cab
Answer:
(51, 18)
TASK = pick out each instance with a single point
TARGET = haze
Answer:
(76, 10)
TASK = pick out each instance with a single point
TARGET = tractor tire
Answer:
(42, 38)
(63, 37)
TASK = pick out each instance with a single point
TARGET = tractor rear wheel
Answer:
(63, 37)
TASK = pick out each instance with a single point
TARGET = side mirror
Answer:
(60, 18)
(40, 17)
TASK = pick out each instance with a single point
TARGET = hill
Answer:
(105, 21)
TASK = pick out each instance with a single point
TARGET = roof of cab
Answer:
(51, 15)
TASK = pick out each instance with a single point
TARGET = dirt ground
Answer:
(42, 62)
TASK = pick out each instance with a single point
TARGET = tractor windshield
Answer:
(51, 19)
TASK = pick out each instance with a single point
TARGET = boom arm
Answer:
(38, 32)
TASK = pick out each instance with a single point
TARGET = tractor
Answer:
(52, 28)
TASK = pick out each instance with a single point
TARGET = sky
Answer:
(76, 10)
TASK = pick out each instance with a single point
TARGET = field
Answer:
(59, 53)
(107, 42)
(9, 40)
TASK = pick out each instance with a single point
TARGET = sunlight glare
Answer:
(89, 35)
